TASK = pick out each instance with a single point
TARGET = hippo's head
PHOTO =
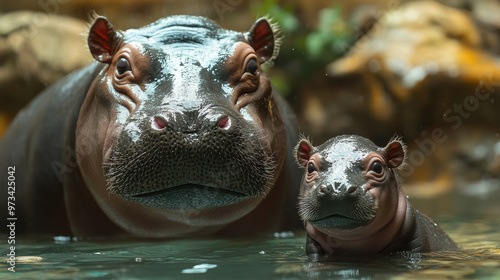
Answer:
(349, 183)
(181, 119)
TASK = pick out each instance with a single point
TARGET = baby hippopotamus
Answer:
(352, 203)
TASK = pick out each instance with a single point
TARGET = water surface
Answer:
(265, 257)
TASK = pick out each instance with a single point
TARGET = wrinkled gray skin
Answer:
(352, 203)
(173, 132)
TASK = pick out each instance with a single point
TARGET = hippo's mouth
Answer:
(188, 197)
(338, 221)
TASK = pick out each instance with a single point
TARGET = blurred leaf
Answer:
(306, 49)
(315, 43)
(283, 15)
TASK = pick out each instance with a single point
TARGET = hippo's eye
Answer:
(122, 66)
(376, 167)
(311, 168)
(252, 66)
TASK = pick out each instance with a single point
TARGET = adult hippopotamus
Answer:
(352, 203)
(174, 131)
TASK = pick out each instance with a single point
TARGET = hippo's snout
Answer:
(335, 189)
(193, 121)
(199, 158)
(339, 205)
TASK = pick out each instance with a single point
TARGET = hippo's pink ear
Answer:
(395, 154)
(261, 38)
(304, 151)
(103, 40)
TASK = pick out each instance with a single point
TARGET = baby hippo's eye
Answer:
(311, 168)
(376, 167)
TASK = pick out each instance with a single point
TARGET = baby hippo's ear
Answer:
(394, 153)
(304, 151)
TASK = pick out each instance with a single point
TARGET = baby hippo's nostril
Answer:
(325, 189)
(351, 189)
(225, 123)
(159, 123)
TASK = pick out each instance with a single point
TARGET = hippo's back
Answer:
(435, 238)
(36, 146)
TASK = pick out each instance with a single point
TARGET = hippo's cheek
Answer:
(263, 130)
(386, 203)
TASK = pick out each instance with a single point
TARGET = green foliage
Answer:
(306, 49)
(327, 40)
(283, 15)
(331, 37)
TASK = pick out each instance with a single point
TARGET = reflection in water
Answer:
(476, 264)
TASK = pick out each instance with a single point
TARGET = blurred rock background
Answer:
(428, 71)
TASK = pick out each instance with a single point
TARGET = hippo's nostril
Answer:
(159, 123)
(225, 123)
(351, 189)
(325, 189)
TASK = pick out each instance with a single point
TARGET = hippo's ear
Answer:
(262, 38)
(395, 154)
(304, 151)
(103, 40)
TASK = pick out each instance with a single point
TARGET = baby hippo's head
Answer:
(349, 184)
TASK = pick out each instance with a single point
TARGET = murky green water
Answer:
(268, 257)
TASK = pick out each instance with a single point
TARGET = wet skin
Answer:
(351, 201)
(173, 132)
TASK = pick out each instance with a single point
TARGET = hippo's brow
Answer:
(178, 34)
(181, 35)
